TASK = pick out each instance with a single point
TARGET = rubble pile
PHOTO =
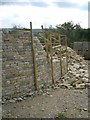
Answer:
(77, 75)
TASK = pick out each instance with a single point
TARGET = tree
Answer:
(67, 29)
(74, 33)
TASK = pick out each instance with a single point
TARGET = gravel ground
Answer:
(72, 102)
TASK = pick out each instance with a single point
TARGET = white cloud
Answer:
(51, 15)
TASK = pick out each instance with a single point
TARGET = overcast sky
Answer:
(43, 12)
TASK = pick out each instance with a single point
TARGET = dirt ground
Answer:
(73, 103)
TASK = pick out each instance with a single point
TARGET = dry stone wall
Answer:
(17, 64)
(17, 72)
(82, 48)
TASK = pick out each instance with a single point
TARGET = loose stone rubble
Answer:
(77, 76)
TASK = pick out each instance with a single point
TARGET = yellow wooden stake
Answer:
(51, 54)
(60, 54)
(54, 40)
(45, 41)
(34, 58)
(46, 46)
(66, 52)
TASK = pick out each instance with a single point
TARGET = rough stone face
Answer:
(17, 64)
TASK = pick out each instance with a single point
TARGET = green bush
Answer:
(61, 115)
(41, 39)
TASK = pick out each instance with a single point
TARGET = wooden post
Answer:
(60, 54)
(66, 52)
(54, 39)
(42, 27)
(34, 57)
(51, 54)
(46, 44)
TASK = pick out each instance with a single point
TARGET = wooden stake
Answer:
(46, 46)
(42, 27)
(60, 54)
(51, 54)
(54, 39)
(34, 57)
(66, 52)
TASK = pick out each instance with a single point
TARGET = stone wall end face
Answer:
(17, 63)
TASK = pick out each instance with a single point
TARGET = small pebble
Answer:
(85, 109)
(19, 99)
(12, 101)
(81, 91)
(9, 114)
(43, 109)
